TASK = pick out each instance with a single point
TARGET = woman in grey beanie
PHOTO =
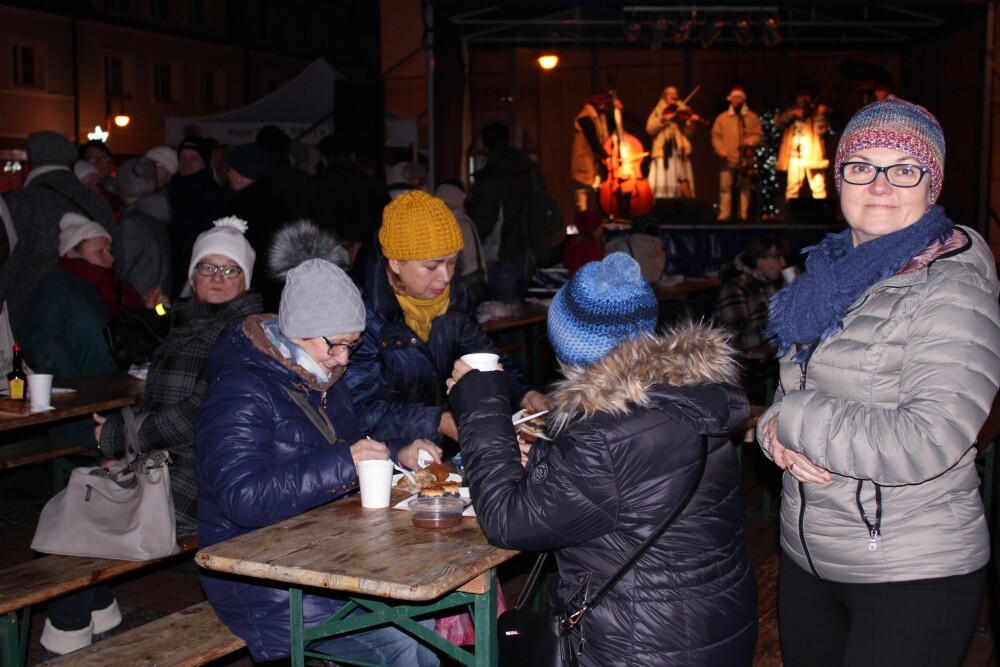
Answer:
(277, 436)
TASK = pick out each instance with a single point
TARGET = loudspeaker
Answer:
(683, 211)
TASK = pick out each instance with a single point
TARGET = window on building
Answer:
(196, 13)
(210, 88)
(160, 9)
(114, 75)
(27, 64)
(166, 82)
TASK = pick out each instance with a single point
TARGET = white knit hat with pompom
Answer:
(225, 238)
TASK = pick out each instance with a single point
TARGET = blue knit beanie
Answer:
(603, 304)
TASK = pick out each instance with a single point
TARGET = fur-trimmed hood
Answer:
(687, 355)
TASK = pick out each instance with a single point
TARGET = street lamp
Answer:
(119, 118)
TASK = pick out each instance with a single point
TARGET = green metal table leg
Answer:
(295, 619)
(485, 619)
(14, 638)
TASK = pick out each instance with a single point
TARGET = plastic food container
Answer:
(438, 512)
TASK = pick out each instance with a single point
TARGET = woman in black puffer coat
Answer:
(628, 425)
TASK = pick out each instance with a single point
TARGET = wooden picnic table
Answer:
(375, 558)
(685, 288)
(92, 394)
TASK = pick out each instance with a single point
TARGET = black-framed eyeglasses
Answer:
(898, 175)
(208, 270)
(333, 348)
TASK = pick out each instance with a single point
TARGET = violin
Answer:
(626, 192)
(682, 112)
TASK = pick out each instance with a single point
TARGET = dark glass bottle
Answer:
(16, 379)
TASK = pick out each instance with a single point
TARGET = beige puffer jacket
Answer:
(891, 405)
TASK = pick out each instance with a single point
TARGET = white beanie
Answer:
(226, 238)
(319, 299)
(82, 169)
(74, 228)
(164, 156)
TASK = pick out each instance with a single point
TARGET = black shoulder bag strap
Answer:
(570, 621)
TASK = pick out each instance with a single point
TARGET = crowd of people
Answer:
(304, 341)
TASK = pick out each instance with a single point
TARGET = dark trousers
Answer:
(912, 623)
(72, 612)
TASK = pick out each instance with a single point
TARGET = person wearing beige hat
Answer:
(735, 134)
(418, 325)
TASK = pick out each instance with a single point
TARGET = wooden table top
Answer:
(530, 313)
(93, 394)
(345, 547)
(679, 291)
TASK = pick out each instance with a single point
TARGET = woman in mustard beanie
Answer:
(418, 325)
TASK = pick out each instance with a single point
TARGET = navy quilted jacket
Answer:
(398, 381)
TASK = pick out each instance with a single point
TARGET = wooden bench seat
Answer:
(191, 636)
(37, 449)
(49, 577)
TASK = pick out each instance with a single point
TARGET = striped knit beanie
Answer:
(418, 226)
(900, 125)
(603, 304)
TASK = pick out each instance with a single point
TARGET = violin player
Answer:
(802, 153)
(735, 134)
(670, 124)
(593, 125)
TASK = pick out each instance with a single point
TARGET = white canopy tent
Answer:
(303, 108)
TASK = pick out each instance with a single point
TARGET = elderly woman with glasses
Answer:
(888, 348)
(221, 265)
(277, 436)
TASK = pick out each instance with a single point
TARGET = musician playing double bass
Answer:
(671, 123)
(802, 154)
(735, 135)
(593, 125)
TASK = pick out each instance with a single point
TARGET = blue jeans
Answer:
(384, 646)
(72, 612)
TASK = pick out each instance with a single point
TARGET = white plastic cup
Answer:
(375, 479)
(482, 361)
(40, 390)
(788, 274)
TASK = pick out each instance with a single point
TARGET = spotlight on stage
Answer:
(682, 32)
(660, 27)
(712, 31)
(548, 61)
(769, 31)
(633, 27)
(742, 33)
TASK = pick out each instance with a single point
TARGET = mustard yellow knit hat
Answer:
(416, 226)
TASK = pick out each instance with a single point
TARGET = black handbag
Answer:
(133, 335)
(528, 638)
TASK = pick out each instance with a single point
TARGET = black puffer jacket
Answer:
(626, 449)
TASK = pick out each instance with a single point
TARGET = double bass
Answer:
(625, 193)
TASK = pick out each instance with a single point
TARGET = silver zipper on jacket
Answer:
(874, 529)
(802, 495)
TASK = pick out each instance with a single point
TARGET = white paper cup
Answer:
(482, 361)
(789, 274)
(375, 479)
(40, 390)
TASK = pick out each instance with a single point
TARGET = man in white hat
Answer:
(735, 134)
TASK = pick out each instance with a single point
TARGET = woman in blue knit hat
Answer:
(889, 350)
(632, 416)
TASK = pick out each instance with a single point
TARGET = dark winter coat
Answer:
(504, 183)
(260, 460)
(396, 379)
(628, 432)
(36, 210)
(262, 208)
(197, 201)
(142, 255)
(175, 385)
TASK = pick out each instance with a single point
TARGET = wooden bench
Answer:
(49, 577)
(189, 637)
(36, 449)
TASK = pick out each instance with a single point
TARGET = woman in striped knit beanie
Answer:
(889, 351)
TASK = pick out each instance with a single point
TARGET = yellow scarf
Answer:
(420, 313)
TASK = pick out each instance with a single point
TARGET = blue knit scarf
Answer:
(837, 273)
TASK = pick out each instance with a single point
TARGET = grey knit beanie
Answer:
(48, 148)
(137, 177)
(319, 299)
